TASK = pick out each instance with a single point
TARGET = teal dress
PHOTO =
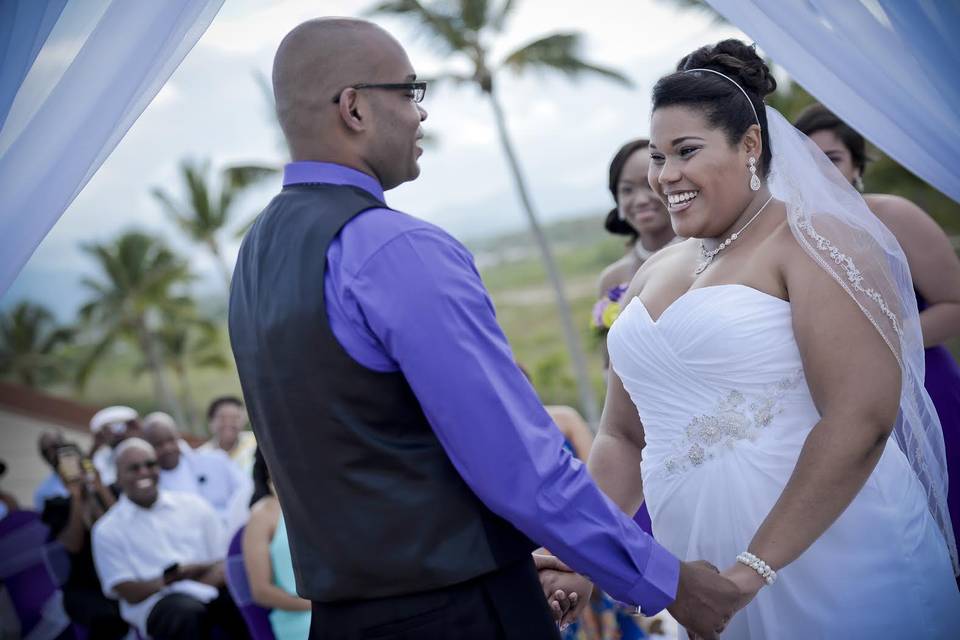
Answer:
(287, 625)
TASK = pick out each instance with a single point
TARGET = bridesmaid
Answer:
(641, 217)
(934, 267)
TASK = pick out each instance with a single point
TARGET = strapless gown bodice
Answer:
(719, 385)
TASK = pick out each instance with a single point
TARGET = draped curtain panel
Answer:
(886, 67)
(73, 78)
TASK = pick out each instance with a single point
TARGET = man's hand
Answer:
(705, 600)
(194, 572)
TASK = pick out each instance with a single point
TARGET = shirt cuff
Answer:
(658, 587)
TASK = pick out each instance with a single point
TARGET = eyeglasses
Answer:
(135, 467)
(419, 89)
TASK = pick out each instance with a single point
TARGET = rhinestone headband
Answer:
(736, 84)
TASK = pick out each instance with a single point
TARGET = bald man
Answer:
(160, 553)
(210, 475)
(413, 461)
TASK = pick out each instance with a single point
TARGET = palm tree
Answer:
(699, 5)
(190, 342)
(29, 343)
(464, 28)
(206, 213)
(137, 290)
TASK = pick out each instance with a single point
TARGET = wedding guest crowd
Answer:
(146, 551)
(52, 486)
(160, 553)
(209, 474)
(71, 518)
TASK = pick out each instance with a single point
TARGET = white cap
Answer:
(112, 415)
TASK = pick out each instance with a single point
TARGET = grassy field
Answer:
(513, 273)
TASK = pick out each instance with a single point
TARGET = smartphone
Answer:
(170, 573)
(68, 463)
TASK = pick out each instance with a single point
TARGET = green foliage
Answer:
(465, 27)
(136, 292)
(559, 53)
(204, 214)
(31, 345)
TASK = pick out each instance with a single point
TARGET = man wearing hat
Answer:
(110, 427)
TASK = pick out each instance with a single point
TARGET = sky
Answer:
(564, 131)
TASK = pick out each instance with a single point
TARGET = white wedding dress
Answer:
(719, 385)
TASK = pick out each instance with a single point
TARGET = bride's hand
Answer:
(747, 580)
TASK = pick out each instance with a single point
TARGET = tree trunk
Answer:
(587, 399)
(225, 271)
(161, 389)
(186, 399)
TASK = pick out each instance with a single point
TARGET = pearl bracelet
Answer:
(758, 565)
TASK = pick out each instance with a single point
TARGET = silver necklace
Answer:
(641, 252)
(708, 256)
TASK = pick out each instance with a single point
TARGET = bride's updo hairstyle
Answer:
(717, 98)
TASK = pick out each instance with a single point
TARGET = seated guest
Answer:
(110, 427)
(266, 556)
(208, 474)
(227, 418)
(70, 519)
(161, 554)
(52, 486)
(8, 502)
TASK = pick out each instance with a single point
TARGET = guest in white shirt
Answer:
(161, 554)
(227, 419)
(208, 474)
(52, 486)
(110, 427)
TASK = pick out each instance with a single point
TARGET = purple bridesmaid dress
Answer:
(942, 382)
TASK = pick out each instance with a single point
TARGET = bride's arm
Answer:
(854, 380)
(615, 456)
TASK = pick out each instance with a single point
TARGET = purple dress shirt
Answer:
(404, 295)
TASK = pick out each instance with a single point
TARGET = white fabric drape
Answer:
(84, 90)
(886, 67)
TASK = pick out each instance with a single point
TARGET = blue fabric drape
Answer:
(886, 67)
(24, 27)
(107, 60)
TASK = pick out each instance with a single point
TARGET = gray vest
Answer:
(373, 505)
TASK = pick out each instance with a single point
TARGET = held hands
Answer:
(747, 580)
(706, 600)
(567, 592)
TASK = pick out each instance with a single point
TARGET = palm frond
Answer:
(698, 5)
(474, 14)
(499, 20)
(242, 176)
(444, 29)
(560, 52)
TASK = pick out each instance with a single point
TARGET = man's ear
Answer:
(350, 110)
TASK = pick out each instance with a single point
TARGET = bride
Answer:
(787, 350)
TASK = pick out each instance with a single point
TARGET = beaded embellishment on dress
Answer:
(733, 419)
